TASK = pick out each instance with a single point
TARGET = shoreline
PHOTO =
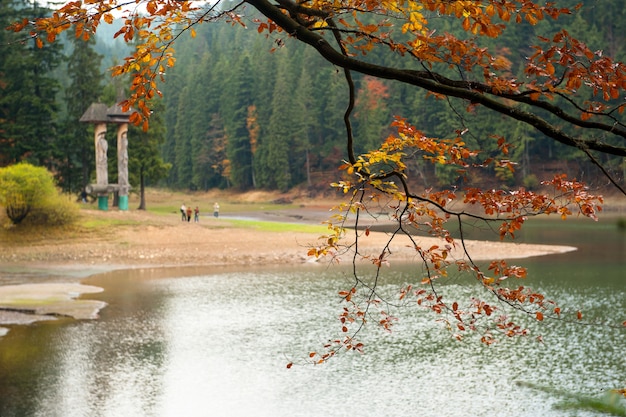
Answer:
(153, 241)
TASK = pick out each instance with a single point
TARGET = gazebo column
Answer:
(122, 165)
(115, 114)
(102, 172)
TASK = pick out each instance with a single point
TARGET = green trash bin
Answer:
(103, 202)
(123, 202)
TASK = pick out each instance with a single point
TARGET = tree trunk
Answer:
(142, 192)
(308, 169)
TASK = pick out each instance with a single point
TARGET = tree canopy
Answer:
(569, 91)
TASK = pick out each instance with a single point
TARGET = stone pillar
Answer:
(122, 165)
(102, 171)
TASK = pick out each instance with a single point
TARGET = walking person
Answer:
(216, 210)
(183, 212)
(188, 214)
(196, 214)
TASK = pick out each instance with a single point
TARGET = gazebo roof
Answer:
(96, 113)
(117, 115)
(99, 113)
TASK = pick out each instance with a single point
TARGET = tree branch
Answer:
(441, 85)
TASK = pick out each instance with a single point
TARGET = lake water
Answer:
(215, 342)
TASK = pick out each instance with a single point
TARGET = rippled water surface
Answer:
(216, 343)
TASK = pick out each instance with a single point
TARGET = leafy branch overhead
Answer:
(565, 90)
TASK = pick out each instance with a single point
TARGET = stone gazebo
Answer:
(99, 115)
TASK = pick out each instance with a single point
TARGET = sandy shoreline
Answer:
(167, 242)
(153, 241)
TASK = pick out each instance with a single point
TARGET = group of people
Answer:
(187, 211)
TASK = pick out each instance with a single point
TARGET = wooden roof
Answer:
(96, 113)
(99, 113)
(117, 115)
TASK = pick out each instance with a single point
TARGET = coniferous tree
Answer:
(371, 114)
(305, 125)
(182, 140)
(145, 164)
(28, 104)
(76, 148)
(276, 145)
(175, 117)
(235, 104)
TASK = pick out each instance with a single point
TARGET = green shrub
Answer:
(30, 191)
(58, 210)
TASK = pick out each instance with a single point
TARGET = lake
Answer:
(216, 342)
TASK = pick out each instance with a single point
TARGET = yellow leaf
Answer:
(488, 280)
(192, 32)
(320, 24)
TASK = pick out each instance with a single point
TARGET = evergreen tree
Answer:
(28, 100)
(305, 125)
(145, 164)
(182, 140)
(176, 79)
(76, 148)
(235, 105)
(276, 146)
(371, 114)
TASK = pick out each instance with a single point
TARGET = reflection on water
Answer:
(216, 342)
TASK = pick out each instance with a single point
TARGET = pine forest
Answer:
(245, 110)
